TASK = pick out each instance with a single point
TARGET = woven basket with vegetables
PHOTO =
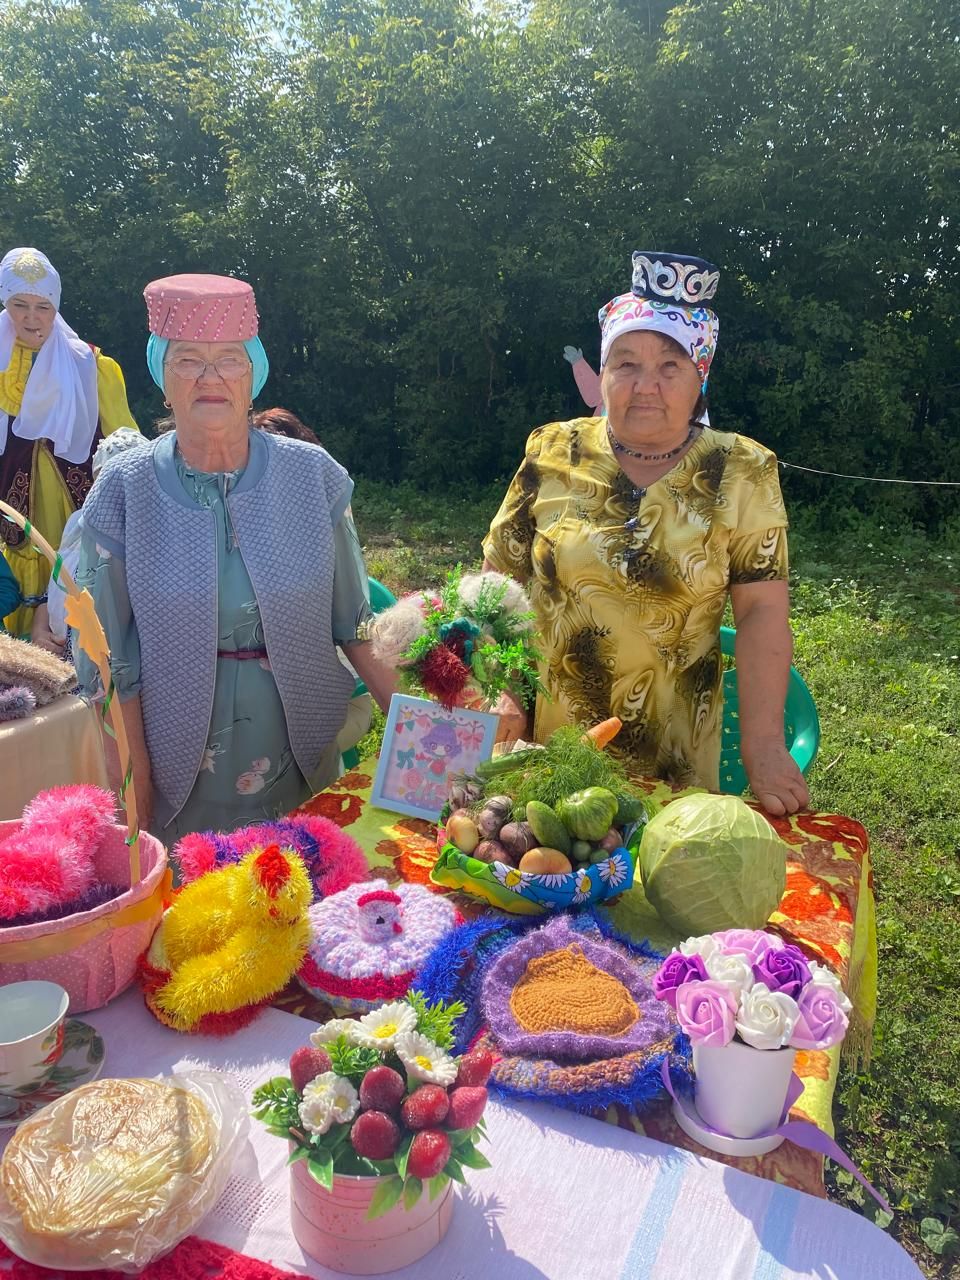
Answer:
(543, 827)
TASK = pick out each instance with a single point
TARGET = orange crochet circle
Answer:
(563, 991)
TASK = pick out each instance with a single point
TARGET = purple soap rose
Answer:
(785, 970)
(749, 943)
(676, 970)
(822, 1022)
(707, 1012)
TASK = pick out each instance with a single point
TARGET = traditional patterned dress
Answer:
(45, 488)
(630, 584)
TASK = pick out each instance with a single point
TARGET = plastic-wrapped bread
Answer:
(118, 1171)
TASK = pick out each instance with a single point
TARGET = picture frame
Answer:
(423, 744)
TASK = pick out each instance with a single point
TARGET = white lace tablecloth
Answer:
(567, 1198)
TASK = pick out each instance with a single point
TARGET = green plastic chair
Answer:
(380, 598)
(801, 725)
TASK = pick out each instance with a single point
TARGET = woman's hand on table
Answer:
(774, 777)
(513, 719)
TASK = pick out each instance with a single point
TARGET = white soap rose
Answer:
(705, 944)
(734, 972)
(766, 1018)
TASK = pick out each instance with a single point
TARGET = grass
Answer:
(875, 617)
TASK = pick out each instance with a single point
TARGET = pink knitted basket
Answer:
(93, 954)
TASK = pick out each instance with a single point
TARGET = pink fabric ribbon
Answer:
(801, 1132)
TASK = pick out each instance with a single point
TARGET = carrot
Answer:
(604, 732)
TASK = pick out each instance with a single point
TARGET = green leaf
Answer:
(385, 1197)
(473, 1159)
(403, 1154)
(321, 1168)
(412, 1190)
(454, 1170)
(939, 1238)
(298, 1153)
(437, 1184)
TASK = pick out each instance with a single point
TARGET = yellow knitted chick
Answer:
(230, 940)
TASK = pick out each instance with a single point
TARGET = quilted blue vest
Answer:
(284, 509)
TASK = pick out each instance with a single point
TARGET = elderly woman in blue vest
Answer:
(226, 569)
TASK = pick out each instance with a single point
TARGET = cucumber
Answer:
(506, 763)
(547, 827)
(629, 810)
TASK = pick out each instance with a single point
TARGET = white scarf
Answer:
(60, 402)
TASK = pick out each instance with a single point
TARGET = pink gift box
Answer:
(93, 955)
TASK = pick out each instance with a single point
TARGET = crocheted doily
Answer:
(370, 940)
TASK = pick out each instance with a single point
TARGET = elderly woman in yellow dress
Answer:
(632, 530)
(59, 397)
(226, 569)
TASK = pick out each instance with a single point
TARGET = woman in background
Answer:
(59, 397)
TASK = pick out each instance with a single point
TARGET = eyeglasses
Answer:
(192, 367)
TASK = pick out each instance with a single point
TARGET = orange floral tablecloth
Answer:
(828, 909)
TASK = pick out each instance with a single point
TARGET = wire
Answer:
(842, 475)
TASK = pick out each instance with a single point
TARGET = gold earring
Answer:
(167, 404)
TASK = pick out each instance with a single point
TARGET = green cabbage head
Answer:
(710, 862)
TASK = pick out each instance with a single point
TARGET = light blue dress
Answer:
(248, 772)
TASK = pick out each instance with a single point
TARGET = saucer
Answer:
(688, 1118)
(82, 1062)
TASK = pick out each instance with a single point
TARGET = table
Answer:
(565, 1197)
(828, 909)
(57, 745)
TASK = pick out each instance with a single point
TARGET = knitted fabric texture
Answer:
(27, 665)
(333, 858)
(561, 993)
(192, 1259)
(283, 513)
(457, 970)
(369, 941)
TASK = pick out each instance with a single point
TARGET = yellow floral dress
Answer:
(34, 482)
(629, 585)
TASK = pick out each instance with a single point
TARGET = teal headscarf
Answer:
(157, 352)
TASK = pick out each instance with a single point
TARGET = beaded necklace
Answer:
(651, 457)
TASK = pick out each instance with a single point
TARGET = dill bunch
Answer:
(568, 762)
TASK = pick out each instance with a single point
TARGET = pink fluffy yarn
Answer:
(346, 863)
(79, 813)
(38, 870)
(197, 854)
(49, 861)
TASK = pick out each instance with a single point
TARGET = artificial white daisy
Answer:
(328, 1099)
(333, 1030)
(380, 1028)
(555, 880)
(510, 877)
(583, 886)
(613, 870)
(423, 1060)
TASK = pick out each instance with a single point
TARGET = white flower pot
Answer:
(741, 1090)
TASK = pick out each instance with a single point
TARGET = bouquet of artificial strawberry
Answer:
(382, 1097)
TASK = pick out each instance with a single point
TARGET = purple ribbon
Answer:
(801, 1132)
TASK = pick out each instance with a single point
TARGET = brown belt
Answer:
(242, 655)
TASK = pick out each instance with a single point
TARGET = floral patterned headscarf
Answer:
(667, 296)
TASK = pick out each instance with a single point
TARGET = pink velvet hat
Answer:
(193, 308)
